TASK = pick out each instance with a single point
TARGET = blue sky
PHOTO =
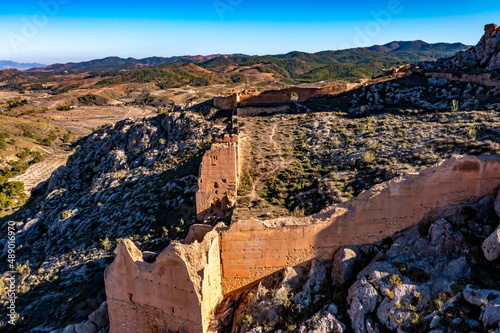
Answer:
(50, 31)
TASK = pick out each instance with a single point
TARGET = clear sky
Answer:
(50, 31)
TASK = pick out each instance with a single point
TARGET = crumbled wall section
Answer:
(218, 180)
(251, 250)
(181, 290)
(178, 292)
(251, 97)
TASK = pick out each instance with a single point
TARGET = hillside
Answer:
(137, 179)
(293, 67)
(351, 64)
(117, 62)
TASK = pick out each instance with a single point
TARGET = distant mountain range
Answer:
(7, 64)
(293, 67)
(117, 62)
(402, 50)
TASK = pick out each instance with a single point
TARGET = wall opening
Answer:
(294, 96)
(216, 208)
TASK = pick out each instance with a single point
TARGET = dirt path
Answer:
(264, 142)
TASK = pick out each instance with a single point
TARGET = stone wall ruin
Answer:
(182, 288)
(253, 97)
(218, 179)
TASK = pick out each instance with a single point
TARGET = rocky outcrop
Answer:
(485, 55)
(343, 264)
(491, 246)
(419, 280)
(136, 179)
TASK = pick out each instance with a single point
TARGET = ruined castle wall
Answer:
(179, 291)
(285, 95)
(248, 97)
(218, 181)
(183, 287)
(254, 249)
(226, 102)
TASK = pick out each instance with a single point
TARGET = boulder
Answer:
(86, 327)
(316, 277)
(100, 316)
(362, 299)
(69, 329)
(491, 246)
(343, 264)
(489, 28)
(497, 204)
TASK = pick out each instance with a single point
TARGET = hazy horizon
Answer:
(61, 31)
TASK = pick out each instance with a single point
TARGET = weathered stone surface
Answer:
(323, 322)
(86, 327)
(100, 316)
(497, 204)
(248, 97)
(489, 301)
(484, 55)
(250, 250)
(363, 298)
(316, 277)
(491, 246)
(343, 264)
(69, 329)
(218, 181)
(179, 291)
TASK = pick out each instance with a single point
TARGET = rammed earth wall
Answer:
(181, 290)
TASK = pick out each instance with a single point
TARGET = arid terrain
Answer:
(97, 160)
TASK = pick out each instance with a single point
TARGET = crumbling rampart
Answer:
(253, 97)
(218, 181)
(178, 291)
(181, 289)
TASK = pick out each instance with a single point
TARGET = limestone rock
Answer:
(489, 301)
(344, 261)
(323, 322)
(100, 316)
(491, 246)
(69, 329)
(363, 299)
(484, 55)
(316, 278)
(86, 327)
(497, 204)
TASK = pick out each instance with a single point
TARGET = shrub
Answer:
(64, 108)
(28, 134)
(106, 243)
(65, 214)
(396, 280)
(369, 157)
(246, 182)
(24, 269)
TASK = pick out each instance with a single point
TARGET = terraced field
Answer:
(40, 172)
